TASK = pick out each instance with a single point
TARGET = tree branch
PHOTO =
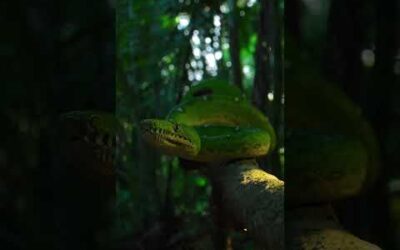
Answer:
(254, 199)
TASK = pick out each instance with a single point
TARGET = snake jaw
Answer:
(170, 137)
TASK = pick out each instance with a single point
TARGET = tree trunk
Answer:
(234, 44)
(253, 200)
(268, 81)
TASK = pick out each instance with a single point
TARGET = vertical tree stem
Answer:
(234, 44)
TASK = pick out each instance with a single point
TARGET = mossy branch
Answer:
(255, 199)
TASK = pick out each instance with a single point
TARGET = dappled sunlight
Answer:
(205, 50)
(270, 96)
(368, 58)
(183, 21)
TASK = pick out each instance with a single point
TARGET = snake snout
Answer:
(147, 125)
(170, 137)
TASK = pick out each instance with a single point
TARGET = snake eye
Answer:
(203, 92)
(176, 127)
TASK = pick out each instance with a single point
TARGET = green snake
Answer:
(213, 123)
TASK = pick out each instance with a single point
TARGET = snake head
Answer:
(170, 137)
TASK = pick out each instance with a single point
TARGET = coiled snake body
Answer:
(210, 126)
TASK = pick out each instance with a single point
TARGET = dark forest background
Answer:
(59, 56)
(354, 44)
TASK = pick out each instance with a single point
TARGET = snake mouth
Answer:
(167, 137)
(177, 143)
